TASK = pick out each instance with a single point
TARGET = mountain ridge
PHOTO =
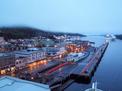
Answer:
(29, 32)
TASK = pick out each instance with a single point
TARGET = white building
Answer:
(2, 41)
(75, 56)
(28, 56)
(21, 62)
(8, 83)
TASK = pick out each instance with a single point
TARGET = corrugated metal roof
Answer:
(8, 83)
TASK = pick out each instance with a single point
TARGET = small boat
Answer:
(77, 56)
(94, 87)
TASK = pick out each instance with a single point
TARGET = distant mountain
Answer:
(21, 32)
(119, 36)
(27, 32)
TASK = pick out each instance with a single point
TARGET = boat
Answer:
(94, 87)
(110, 37)
(74, 57)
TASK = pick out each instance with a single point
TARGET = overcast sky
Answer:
(80, 16)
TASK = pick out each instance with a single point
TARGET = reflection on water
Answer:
(109, 73)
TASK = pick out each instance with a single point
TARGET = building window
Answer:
(3, 71)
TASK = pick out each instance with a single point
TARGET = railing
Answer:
(92, 60)
(58, 67)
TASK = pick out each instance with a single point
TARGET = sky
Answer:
(76, 16)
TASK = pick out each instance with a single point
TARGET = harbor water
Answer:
(109, 73)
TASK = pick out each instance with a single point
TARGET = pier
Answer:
(86, 72)
(80, 72)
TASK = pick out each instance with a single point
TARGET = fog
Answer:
(79, 16)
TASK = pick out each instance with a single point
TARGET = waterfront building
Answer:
(77, 46)
(21, 62)
(7, 63)
(10, 61)
(33, 54)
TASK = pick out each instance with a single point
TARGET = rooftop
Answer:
(27, 52)
(8, 83)
(5, 54)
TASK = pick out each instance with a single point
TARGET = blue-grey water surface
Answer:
(109, 72)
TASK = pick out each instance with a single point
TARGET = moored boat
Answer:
(77, 56)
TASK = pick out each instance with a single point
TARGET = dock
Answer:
(66, 73)
(86, 72)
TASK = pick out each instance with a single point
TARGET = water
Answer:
(109, 72)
